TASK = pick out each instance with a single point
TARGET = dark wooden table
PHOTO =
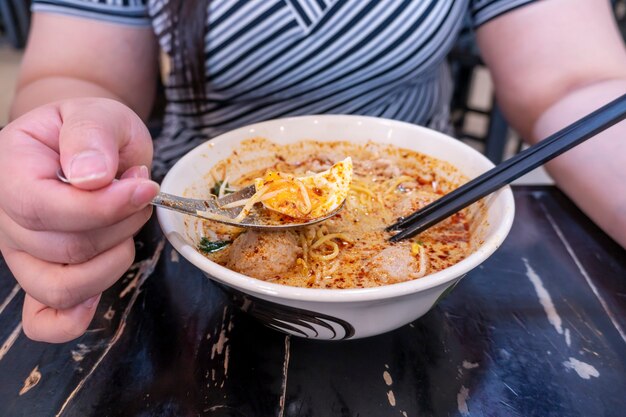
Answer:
(537, 330)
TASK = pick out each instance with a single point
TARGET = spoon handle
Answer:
(190, 205)
(195, 207)
(181, 204)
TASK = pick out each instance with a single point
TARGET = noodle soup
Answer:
(310, 305)
(351, 249)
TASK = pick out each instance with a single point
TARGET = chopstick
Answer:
(511, 169)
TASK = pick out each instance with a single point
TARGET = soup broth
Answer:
(351, 249)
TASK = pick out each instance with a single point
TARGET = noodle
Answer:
(209, 215)
(305, 267)
(305, 197)
(251, 202)
(324, 239)
(242, 214)
(269, 195)
(417, 249)
(215, 175)
(329, 256)
(333, 268)
(397, 181)
(364, 190)
(352, 249)
(222, 187)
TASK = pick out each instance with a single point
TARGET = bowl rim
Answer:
(259, 287)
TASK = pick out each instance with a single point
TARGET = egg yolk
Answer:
(307, 197)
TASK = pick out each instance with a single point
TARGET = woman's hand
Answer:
(66, 244)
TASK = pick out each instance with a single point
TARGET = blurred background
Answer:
(475, 116)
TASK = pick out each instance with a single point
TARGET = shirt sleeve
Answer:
(126, 12)
(482, 11)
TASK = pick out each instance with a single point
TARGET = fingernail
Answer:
(88, 165)
(143, 172)
(140, 171)
(144, 193)
(90, 302)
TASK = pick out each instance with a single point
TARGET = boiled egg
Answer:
(307, 197)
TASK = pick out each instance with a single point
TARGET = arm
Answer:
(69, 57)
(553, 62)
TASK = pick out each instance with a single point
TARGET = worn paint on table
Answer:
(537, 330)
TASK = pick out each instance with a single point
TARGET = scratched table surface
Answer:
(537, 330)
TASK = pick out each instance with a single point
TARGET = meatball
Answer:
(394, 264)
(264, 255)
(377, 166)
(413, 201)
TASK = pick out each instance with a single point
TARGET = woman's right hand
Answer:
(66, 244)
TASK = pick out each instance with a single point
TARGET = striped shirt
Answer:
(267, 59)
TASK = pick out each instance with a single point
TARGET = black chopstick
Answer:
(501, 167)
(511, 169)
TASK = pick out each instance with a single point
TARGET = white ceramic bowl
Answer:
(326, 313)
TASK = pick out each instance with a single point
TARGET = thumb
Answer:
(99, 139)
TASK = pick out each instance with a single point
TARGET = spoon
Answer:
(256, 219)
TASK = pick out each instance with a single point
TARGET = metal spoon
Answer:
(257, 219)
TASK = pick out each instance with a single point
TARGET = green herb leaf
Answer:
(215, 190)
(210, 246)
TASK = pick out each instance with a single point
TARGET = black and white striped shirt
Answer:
(267, 59)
